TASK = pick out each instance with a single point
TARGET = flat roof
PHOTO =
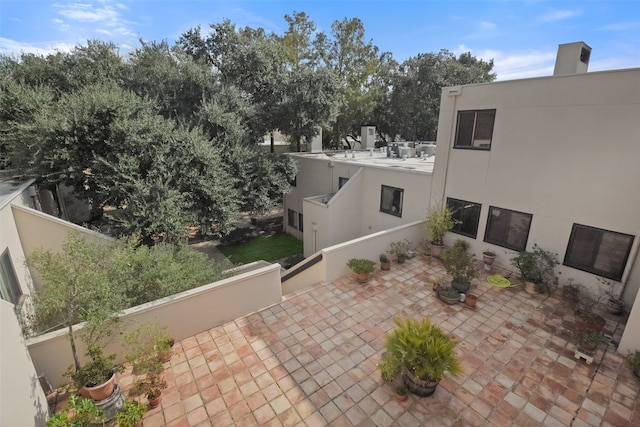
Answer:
(11, 186)
(373, 159)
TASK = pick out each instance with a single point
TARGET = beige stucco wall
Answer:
(10, 239)
(186, 314)
(38, 230)
(564, 149)
(22, 401)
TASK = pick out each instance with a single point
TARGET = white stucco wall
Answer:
(564, 149)
(22, 401)
(354, 210)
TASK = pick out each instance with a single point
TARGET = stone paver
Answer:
(311, 361)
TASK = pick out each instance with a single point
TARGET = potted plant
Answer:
(421, 352)
(448, 294)
(148, 340)
(537, 267)
(400, 249)
(131, 414)
(439, 222)
(401, 393)
(614, 303)
(152, 386)
(98, 375)
(589, 340)
(488, 257)
(385, 264)
(80, 413)
(459, 263)
(634, 361)
(362, 268)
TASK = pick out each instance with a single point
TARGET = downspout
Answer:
(625, 276)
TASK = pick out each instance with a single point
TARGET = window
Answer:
(391, 200)
(598, 251)
(300, 222)
(342, 181)
(475, 129)
(467, 216)
(294, 182)
(291, 218)
(9, 286)
(507, 228)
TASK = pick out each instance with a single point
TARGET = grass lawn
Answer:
(270, 248)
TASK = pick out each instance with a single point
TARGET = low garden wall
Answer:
(185, 314)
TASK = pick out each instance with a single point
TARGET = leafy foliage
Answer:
(81, 413)
(439, 222)
(537, 266)
(420, 347)
(459, 262)
(361, 266)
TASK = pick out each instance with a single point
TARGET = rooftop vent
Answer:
(572, 58)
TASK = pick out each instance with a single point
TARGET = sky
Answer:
(521, 36)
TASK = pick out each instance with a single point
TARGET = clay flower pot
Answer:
(471, 300)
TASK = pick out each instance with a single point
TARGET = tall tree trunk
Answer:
(74, 351)
(273, 150)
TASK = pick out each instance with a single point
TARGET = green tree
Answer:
(77, 289)
(355, 62)
(412, 107)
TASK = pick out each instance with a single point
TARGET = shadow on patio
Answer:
(311, 361)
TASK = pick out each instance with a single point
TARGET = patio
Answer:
(311, 361)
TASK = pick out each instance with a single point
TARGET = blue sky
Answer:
(520, 35)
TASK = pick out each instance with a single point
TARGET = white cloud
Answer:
(103, 31)
(84, 12)
(12, 47)
(558, 15)
(620, 26)
(509, 66)
(485, 25)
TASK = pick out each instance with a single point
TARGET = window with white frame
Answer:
(598, 251)
(507, 228)
(391, 200)
(474, 129)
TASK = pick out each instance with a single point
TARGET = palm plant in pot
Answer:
(439, 222)
(422, 353)
(459, 263)
(362, 268)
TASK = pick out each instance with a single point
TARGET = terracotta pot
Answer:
(530, 288)
(471, 300)
(436, 250)
(401, 397)
(83, 392)
(165, 356)
(488, 259)
(362, 277)
(385, 265)
(103, 391)
(155, 401)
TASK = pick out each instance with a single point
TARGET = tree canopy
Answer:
(169, 133)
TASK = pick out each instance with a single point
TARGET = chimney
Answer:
(367, 137)
(572, 58)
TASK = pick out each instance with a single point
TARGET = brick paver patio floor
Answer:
(311, 361)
